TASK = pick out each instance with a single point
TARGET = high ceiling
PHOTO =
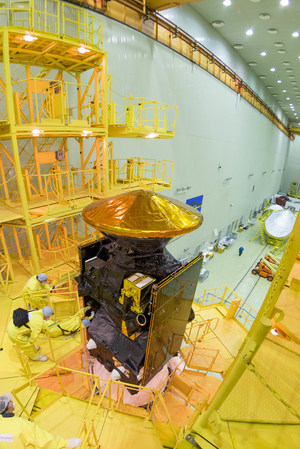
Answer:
(273, 26)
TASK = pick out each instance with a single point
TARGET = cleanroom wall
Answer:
(215, 127)
(292, 167)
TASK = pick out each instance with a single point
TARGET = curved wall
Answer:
(215, 127)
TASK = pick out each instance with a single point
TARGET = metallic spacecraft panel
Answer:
(171, 304)
(279, 224)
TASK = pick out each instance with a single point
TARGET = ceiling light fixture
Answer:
(249, 32)
(262, 77)
(284, 90)
(296, 34)
(288, 98)
(240, 46)
(218, 24)
(29, 38)
(227, 2)
(287, 63)
(263, 53)
(264, 16)
(269, 87)
(281, 51)
(83, 50)
(278, 44)
(273, 69)
(279, 81)
(151, 136)
(272, 31)
(252, 64)
(86, 133)
(284, 2)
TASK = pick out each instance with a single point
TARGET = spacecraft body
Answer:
(141, 293)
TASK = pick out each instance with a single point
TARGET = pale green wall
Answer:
(292, 168)
(214, 126)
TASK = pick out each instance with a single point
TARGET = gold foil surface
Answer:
(142, 214)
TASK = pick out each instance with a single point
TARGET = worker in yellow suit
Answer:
(26, 335)
(69, 326)
(18, 433)
(36, 284)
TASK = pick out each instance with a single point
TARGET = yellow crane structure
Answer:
(56, 117)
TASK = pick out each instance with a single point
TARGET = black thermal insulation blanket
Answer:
(104, 331)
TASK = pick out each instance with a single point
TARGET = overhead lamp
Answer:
(275, 331)
(218, 23)
(86, 133)
(284, 90)
(36, 132)
(227, 2)
(279, 81)
(263, 53)
(288, 98)
(249, 32)
(151, 136)
(273, 69)
(264, 16)
(50, 219)
(29, 38)
(272, 31)
(295, 34)
(83, 50)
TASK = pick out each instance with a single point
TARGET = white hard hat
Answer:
(42, 277)
(47, 311)
(4, 400)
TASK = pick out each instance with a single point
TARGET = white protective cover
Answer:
(279, 224)
(142, 397)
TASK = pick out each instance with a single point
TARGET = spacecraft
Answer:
(279, 224)
(141, 294)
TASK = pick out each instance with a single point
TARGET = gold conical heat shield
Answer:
(142, 214)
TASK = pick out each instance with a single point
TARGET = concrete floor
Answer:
(228, 268)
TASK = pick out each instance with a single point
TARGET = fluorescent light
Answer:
(273, 69)
(83, 50)
(263, 53)
(151, 135)
(29, 38)
(284, 90)
(227, 2)
(284, 2)
(86, 133)
(296, 34)
(249, 32)
(279, 81)
(288, 98)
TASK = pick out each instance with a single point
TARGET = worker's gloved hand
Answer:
(73, 442)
